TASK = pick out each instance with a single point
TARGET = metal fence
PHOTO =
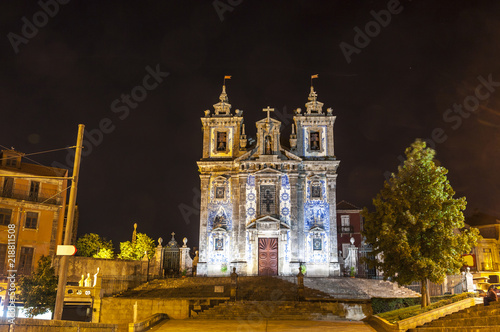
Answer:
(454, 284)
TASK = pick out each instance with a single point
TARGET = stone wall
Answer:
(40, 325)
(121, 310)
(117, 275)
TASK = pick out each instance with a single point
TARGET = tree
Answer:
(135, 250)
(418, 227)
(90, 244)
(105, 253)
(38, 291)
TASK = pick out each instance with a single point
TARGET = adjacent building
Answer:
(267, 209)
(484, 260)
(32, 209)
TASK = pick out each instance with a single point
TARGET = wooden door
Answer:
(268, 256)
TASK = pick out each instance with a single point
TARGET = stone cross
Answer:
(268, 109)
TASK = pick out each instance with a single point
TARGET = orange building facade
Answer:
(33, 198)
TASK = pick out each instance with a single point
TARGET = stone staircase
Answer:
(476, 318)
(270, 310)
(274, 289)
(249, 288)
(357, 288)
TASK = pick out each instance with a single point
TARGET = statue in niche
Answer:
(269, 149)
(220, 221)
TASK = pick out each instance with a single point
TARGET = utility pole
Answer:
(63, 265)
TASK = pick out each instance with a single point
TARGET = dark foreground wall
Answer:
(39, 325)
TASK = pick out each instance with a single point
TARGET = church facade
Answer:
(266, 209)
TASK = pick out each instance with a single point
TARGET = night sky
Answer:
(398, 83)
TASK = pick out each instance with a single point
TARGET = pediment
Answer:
(268, 171)
(267, 223)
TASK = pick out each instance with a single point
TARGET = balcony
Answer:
(26, 195)
(346, 229)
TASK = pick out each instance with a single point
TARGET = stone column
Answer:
(332, 202)
(202, 268)
(156, 268)
(97, 297)
(295, 220)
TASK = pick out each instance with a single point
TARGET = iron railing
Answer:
(346, 229)
(26, 195)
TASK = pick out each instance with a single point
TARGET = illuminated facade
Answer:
(33, 198)
(484, 260)
(267, 209)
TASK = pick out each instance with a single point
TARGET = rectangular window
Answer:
(11, 162)
(487, 260)
(31, 220)
(316, 191)
(8, 184)
(5, 215)
(221, 141)
(314, 141)
(267, 200)
(25, 260)
(345, 224)
(3, 255)
(345, 249)
(34, 190)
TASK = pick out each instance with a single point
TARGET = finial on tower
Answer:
(223, 107)
(134, 233)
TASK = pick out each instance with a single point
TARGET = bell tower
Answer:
(314, 130)
(222, 130)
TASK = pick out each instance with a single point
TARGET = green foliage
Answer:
(407, 312)
(90, 244)
(381, 305)
(105, 253)
(135, 250)
(38, 291)
(417, 225)
(353, 271)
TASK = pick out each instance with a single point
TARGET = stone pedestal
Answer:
(186, 263)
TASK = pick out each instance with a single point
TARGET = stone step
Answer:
(457, 329)
(252, 310)
(475, 321)
(471, 314)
